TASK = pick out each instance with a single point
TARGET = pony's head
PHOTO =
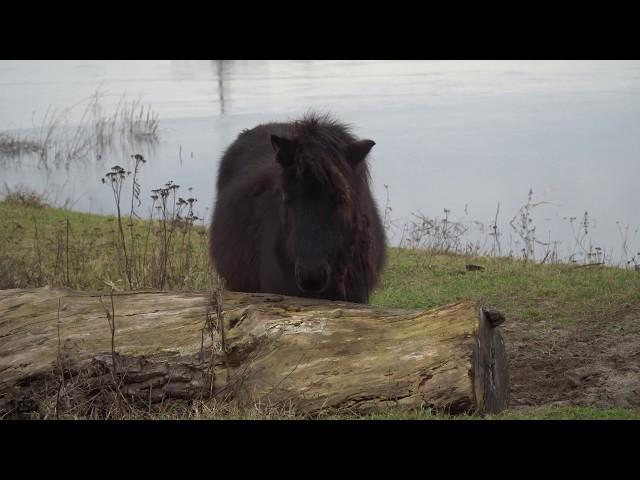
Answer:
(321, 178)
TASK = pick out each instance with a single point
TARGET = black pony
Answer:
(294, 213)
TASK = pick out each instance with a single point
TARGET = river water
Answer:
(456, 135)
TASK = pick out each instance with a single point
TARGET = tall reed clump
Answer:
(85, 130)
(445, 235)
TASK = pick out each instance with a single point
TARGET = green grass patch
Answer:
(554, 294)
(43, 245)
(537, 413)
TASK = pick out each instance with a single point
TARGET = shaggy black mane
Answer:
(322, 139)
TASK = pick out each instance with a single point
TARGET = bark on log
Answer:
(317, 356)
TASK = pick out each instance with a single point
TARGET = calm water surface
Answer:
(460, 135)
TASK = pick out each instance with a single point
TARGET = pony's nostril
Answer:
(311, 280)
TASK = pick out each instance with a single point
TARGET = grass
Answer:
(539, 413)
(44, 245)
(556, 293)
(212, 411)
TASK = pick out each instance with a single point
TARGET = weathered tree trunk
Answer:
(316, 356)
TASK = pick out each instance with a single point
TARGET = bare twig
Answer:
(60, 366)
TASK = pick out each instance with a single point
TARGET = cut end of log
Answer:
(494, 317)
(491, 371)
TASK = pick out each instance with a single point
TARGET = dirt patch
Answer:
(596, 363)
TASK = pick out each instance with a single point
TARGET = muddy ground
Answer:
(595, 363)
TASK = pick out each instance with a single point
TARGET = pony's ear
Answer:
(356, 152)
(285, 150)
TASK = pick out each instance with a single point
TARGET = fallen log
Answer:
(316, 356)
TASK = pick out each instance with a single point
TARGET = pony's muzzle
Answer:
(312, 279)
